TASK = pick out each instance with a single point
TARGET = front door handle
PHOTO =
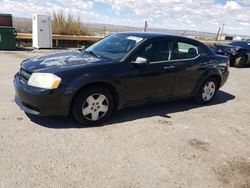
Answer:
(169, 67)
(204, 63)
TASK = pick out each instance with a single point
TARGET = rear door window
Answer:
(186, 51)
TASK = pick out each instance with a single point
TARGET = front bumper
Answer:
(224, 78)
(41, 102)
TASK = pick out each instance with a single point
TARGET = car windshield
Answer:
(115, 47)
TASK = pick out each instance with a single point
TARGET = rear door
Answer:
(190, 62)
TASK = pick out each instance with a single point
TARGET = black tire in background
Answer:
(240, 61)
(207, 91)
(81, 103)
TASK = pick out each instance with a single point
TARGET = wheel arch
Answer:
(246, 55)
(111, 88)
(211, 74)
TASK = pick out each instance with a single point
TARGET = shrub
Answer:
(66, 26)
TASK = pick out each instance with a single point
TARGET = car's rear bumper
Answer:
(41, 102)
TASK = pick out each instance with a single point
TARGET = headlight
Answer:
(233, 49)
(44, 80)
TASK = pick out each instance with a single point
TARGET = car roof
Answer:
(145, 34)
(240, 42)
(148, 35)
(245, 44)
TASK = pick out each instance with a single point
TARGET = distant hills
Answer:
(24, 25)
(102, 29)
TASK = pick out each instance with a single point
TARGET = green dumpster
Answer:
(7, 38)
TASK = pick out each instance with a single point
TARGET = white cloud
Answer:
(244, 2)
(204, 15)
(28, 7)
(232, 5)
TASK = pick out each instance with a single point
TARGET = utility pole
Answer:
(146, 26)
(218, 34)
(222, 30)
(183, 34)
(104, 30)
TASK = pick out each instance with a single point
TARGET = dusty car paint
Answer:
(131, 85)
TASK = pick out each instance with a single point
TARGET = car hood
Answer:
(60, 60)
(226, 48)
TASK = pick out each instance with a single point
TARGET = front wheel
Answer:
(93, 106)
(207, 91)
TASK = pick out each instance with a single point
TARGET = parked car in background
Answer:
(238, 52)
(122, 70)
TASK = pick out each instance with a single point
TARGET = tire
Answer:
(93, 106)
(207, 91)
(240, 61)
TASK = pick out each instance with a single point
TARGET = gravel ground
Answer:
(176, 144)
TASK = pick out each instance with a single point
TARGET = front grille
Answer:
(24, 76)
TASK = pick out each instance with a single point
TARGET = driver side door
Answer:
(155, 79)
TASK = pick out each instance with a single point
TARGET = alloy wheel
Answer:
(95, 107)
(208, 91)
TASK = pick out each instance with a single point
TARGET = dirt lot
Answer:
(177, 144)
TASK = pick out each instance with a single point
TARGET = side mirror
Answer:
(140, 61)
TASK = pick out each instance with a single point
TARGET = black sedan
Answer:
(122, 70)
(238, 52)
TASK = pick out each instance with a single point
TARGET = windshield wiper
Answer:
(92, 53)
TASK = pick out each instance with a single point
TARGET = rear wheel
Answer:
(240, 61)
(93, 106)
(207, 91)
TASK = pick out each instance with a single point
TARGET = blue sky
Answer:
(201, 15)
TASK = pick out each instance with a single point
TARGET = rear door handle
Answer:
(169, 67)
